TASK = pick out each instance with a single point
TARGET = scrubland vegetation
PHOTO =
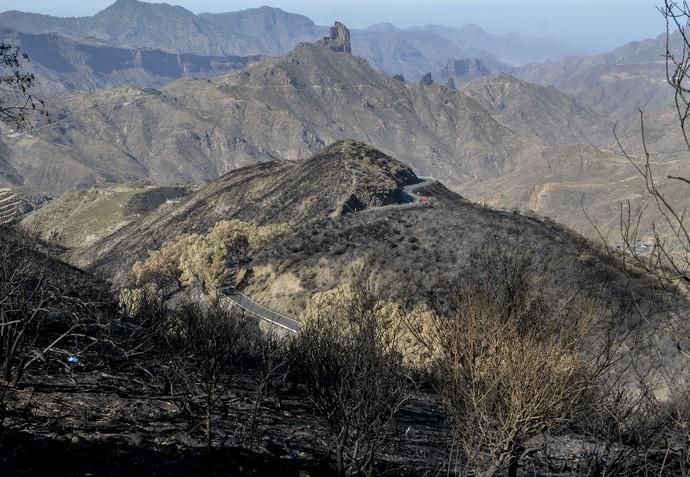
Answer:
(514, 376)
(529, 352)
(202, 259)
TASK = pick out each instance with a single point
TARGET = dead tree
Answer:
(668, 259)
(510, 363)
(204, 350)
(17, 105)
(48, 310)
(346, 355)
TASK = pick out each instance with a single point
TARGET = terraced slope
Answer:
(9, 206)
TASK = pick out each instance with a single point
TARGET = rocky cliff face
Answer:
(466, 69)
(427, 80)
(63, 64)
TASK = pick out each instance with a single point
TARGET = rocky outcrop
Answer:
(467, 68)
(427, 80)
(400, 78)
(339, 39)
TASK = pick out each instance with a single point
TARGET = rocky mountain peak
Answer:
(124, 4)
(128, 7)
(339, 39)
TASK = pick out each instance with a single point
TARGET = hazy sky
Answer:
(593, 24)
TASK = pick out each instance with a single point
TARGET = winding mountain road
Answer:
(234, 297)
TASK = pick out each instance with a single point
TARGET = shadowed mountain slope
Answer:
(63, 64)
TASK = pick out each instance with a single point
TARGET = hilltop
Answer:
(344, 177)
(331, 210)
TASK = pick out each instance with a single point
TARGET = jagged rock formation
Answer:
(427, 80)
(399, 77)
(339, 39)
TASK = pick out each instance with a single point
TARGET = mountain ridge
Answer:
(265, 31)
(283, 108)
(616, 84)
(64, 64)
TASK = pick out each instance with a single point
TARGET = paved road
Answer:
(247, 304)
(235, 297)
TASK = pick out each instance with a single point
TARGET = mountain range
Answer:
(413, 52)
(615, 84)
(289, 108)
(535, 139)
(497, 139)
(64, 64)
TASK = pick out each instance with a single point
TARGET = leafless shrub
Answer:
(48, 311)
(204, 350)
(665, 450)
(668, 256)
(512, 363)
(633, 433)
(272, 366)
(354, 375)
(17, 105)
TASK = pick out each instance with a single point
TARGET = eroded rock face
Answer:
(339, 40)
(467, 66)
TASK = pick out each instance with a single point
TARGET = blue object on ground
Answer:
(73, 360)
